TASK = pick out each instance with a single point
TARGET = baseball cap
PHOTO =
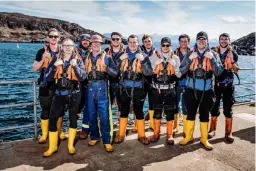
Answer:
(166, 40)
(201, 34)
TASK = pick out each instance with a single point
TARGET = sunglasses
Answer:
(53, 36)
(68, 46)
(115, 39)
(165, 45)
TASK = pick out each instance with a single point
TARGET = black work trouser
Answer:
(227, 95)
(58, 107)
(192, 103)
(164, 100)
(148, 91)
(137, 98)
(45, 100)
(82, 101)
(115, 92)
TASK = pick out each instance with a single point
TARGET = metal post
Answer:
(35, 115)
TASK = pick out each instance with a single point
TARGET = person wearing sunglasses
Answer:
(181, 51)
(99, 67)
(224, 88)
(67, 71)
(46, 88)
(150, 51)
(133, 66)
(200, 64)
(163, 90)
(83, 50)
(115, 50)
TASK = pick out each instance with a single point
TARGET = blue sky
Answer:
(139, 17)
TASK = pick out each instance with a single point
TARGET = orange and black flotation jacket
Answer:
(96, 70)
(48, 58)
(227, 61)
(200, 68)
(115, 58)
(65, 78)
(131, 69)
(227, 64)
(164, 72)
(110, 51)
(70, 71)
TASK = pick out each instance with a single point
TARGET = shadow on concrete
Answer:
(247, 134)
(129, 155)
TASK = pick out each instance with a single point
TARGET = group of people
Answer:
(87, 79)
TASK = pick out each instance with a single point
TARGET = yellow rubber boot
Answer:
(71, 139)
(93, 142)
(59, 128)
(213, 125)
(157, 127)
(44, 127)
(189, 133)
(53, 144)
(109, 148)
(134, 128)
(184, 124)
(151, 120)
(141, 132)
(122, 130)
(204, 135)
(176, 124)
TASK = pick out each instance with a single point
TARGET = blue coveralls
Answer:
(98, 103)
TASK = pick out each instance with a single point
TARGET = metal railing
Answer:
(35, 103)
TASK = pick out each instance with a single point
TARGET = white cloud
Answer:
(237, 19)
(125, 8)
(87, 8)
(196, 7)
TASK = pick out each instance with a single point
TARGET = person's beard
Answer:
(223, 46)
(53, 44)
(115, 46)
(84, 48)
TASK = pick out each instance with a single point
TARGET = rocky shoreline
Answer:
(16, 27)
(245, 45)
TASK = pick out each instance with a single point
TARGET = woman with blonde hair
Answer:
(67, 70)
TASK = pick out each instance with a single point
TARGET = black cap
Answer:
(201, 34)
(85, 37)
(166, 40)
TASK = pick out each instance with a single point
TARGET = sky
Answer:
(147, 17)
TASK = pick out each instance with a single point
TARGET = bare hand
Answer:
(45, 54)
(73, 62)
(58, 62)
(209, 55)
(139, 57)
(193, 55)
(124, 56)
(158, 61)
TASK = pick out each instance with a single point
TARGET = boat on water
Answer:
(18, 46)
